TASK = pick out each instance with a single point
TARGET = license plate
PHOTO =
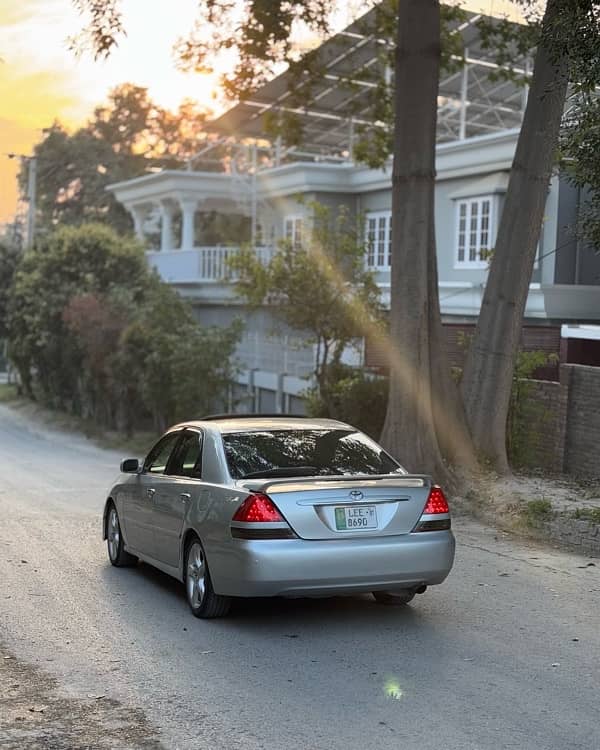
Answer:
(355, 518)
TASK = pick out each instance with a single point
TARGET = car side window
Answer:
(158, 458)
(187, 462)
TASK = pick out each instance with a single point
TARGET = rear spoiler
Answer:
(402, 480)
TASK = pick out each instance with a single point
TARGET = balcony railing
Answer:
(201, 265)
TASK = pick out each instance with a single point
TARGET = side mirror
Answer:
(130, 466)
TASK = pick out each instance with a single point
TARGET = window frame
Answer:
(146, 466)
(377, 216)
(170, 468)
(479, 200)
(298, 224)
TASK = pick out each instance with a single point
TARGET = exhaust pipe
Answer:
(422, 589)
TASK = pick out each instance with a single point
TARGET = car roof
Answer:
(249, 423)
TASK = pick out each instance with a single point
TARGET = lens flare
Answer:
(393, 690)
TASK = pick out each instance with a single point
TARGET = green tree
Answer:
(73, 172)
(93, 331)
(126, 136)
(9, 259)
(319, 287)
(70, 262)
(183, 370)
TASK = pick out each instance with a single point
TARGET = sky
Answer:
(41, 80)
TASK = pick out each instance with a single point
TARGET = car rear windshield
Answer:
(307, 452)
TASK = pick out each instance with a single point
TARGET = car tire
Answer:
(394, 598)
(117, 554)
(200, 594)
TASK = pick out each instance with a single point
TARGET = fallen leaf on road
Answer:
(503, 574)
(24, 561)
(37, 709)
(206, 652)
(574, 639)
(472, 658)
(96, 697)
(589, 565)
(291, 635)
(556, 664)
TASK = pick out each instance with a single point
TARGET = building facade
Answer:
(271, 196)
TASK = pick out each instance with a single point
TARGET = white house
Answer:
(478, 125)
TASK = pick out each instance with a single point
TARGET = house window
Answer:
(293, 230)
(475, 235)
(379, 239)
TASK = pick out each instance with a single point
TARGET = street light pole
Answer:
(31, 196)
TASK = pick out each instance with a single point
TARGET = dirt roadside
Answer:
(562, 511)
(36, 715)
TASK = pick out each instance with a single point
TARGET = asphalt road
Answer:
(505, 654)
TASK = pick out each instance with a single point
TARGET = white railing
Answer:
(201, 264)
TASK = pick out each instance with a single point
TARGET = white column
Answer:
(167, 241)
(188, 210)
(138, 213)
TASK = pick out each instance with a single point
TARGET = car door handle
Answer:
(150, 492)
(185, 496)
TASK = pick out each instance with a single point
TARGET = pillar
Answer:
(167, 241)
(188, 211)
(138, 214)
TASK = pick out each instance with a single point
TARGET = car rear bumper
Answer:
(299, 567)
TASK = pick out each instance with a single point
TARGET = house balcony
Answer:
(200, 265)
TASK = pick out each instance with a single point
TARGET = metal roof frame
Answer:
(472, 100)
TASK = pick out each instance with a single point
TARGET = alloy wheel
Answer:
(113, 534)
(196, 575)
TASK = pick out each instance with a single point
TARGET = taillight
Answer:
(256, 510)
(436, 502)
(436, 505)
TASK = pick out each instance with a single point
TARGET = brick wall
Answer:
(536, 434)
(558, 424)
(534, 338)
(582, 427)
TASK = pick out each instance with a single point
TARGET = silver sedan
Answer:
(245, 506)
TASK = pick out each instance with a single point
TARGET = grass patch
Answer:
(8, 393)
(588, 514)
(538, 511)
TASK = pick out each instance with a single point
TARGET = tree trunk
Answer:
(422, 398)
(488, 373)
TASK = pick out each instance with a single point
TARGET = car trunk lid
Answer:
(336, 507)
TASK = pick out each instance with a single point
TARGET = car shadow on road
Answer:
(318, 609)
(256, 612)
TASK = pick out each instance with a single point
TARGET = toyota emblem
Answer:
(356, 495)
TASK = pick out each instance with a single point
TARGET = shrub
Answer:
(354, 397)
(537, 511)
(94, 331)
